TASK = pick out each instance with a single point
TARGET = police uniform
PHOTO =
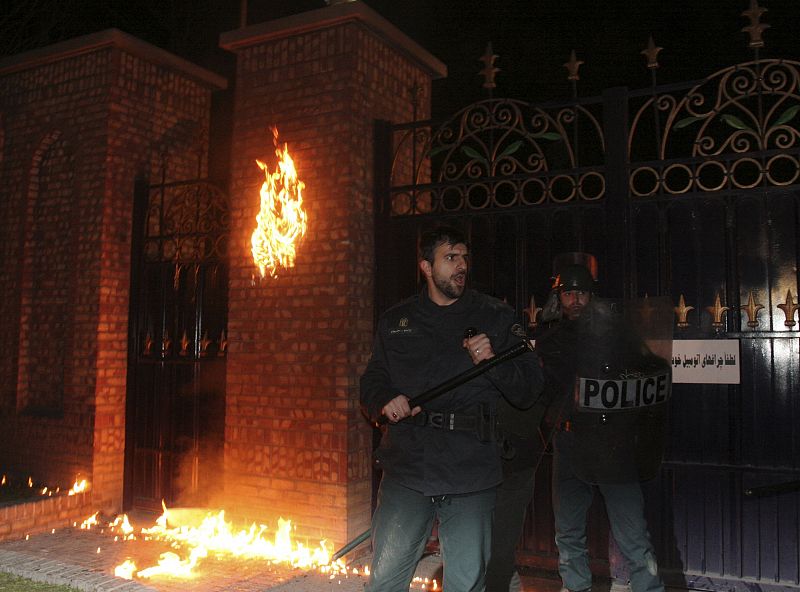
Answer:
(612, 472)
(445, 461)
(524, 438)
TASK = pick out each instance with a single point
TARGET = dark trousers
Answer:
(625, 508)
(400, 528)
(513, 496)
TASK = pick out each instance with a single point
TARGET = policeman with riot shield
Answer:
(609, 417)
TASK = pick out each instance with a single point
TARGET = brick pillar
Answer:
(80, 120)
(296, 444)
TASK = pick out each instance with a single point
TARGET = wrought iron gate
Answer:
(690, 191)
(176, 370)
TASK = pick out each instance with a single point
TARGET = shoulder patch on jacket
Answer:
(401, 326)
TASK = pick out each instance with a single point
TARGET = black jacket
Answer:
(418, 346)
(528, 432)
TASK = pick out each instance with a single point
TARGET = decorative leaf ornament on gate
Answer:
(737, 129)
(499, 153)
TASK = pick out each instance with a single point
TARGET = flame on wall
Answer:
(281, 220)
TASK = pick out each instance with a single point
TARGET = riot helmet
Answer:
(574, 271)
(574, 277)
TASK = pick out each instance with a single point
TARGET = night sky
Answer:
(533, 38)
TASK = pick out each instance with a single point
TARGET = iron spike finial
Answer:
(651, 53)
(533, 313)
(716, 311)
(682, 311)
(751, 308)
(789, 307)
(756, 27)
(572, 66)
(488, 71)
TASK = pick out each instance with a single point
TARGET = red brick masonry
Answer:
(296, 444)
(44, 515)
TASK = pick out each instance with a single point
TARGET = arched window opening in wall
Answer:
(48, 274)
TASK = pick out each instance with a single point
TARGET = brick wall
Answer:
(80, 120)
(42, 515)
(296, 445)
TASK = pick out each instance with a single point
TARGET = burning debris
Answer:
(196, 548)
(79, 486)
(196, 534)
(15, 490)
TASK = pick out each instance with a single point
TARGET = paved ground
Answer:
(85, 559)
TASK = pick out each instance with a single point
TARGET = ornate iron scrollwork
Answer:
(186, 223)
(497, 153)
(737, 129)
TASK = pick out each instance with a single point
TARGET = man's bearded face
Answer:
(573, 302)
(449, 271)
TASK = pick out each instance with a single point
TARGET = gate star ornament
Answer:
(682, 311)
(533, 313)
(572, 66)
(148, 344)
(184, 344)
(166, 343)
(204, 343)
(488, 71)
(789, 307)
(756, 27)
(223, 344)
(651, 53)
(752, 309)
(716, 312)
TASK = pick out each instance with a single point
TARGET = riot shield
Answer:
(617, 426)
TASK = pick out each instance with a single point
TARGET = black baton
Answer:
(478, 369)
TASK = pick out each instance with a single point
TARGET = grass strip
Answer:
(12, 583)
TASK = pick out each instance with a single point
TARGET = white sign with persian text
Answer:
(706, 361)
